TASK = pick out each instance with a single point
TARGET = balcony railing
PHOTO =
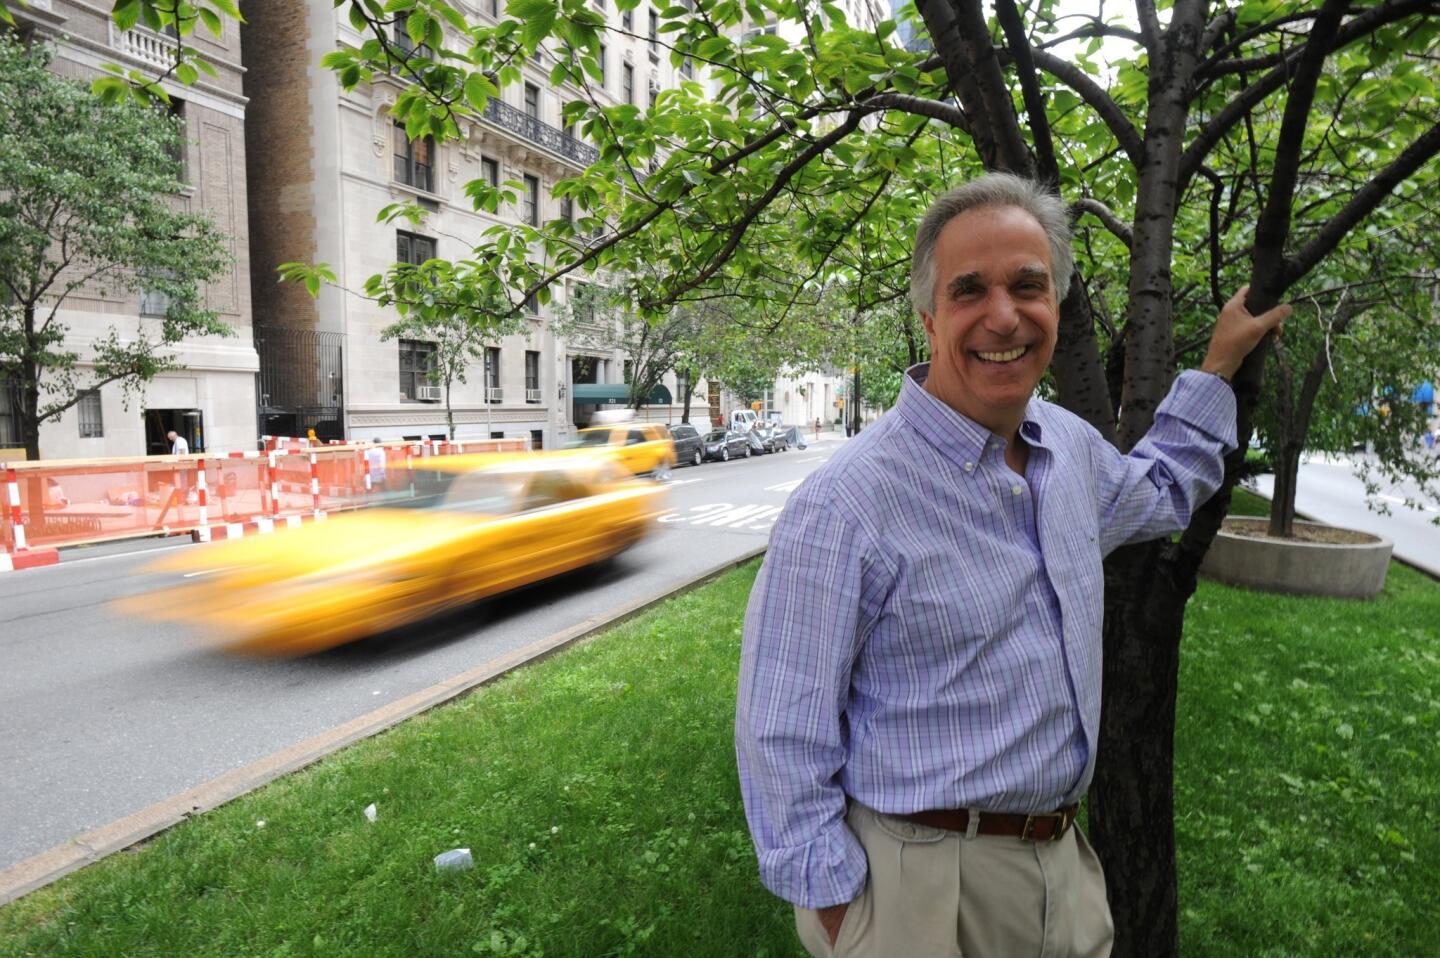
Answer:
(558, 141)
(147, 47)
(495, 394)
(532, 395)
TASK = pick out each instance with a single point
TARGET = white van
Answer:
(742, 420)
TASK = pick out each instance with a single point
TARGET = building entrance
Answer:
(189, 423)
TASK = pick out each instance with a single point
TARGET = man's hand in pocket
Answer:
(830, 919)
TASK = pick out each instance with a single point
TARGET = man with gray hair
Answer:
(920, 680)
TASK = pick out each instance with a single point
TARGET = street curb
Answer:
(36, 872)
(28, 559)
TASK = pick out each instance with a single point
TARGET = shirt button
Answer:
(969, 467)
(1016, 490)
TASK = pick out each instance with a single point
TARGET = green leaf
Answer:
(228, 8)
(479, 89)
(211, 21)
(186, 73)
(126, 14)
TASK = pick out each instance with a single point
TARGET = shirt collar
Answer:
(956, 435)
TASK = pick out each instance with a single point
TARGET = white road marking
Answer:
(785, 486)
(812, 459)
(725, 514)
(683, 482)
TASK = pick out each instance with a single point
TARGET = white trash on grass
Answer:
(370, 812)
(456, 859)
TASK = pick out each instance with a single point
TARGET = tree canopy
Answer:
(87, 209)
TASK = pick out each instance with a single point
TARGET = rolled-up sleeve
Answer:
(802, 632)
(1154, 489)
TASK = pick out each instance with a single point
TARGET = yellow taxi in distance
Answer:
(640, 447)
(466, 528)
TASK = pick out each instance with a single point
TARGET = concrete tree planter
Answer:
(1351, 570)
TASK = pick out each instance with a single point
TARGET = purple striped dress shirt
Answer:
(925, 631)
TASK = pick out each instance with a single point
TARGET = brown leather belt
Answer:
(1040, 827)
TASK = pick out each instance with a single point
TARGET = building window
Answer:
(492, 373)
(627, 82)
(413, 249)
(417, 363)
(627, 20)
(567, 208)
(407, 47)
(682, 382)
(178, 151)
(9, 413)
(493, 8)
(604, 55)
(154, 302)
(654, 35)
(92, 421)
(687, 68)
(532, 376)
(532, 101)
(629, 368)
(414, 160)
(652, 92)
(532, 200)
(537, 439)
(490, 171)
(532, 304)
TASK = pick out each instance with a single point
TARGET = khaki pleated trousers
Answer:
(932, 892)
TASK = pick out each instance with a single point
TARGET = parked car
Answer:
(476, 526)
(772, 435)
(725, 444)
(641, 447)
(689, 446)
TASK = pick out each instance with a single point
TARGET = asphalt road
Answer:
(1328, 491)
(105, 715)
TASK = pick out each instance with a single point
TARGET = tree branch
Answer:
(1019, 45)
(1105, 215)
(737, 230)
(1362, 204)
(1092, 93)
(1247, 99)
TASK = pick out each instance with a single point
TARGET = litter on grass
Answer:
(456, 859)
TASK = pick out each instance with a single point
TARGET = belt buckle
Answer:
(1027, 833)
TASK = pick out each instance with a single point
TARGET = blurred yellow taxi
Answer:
(641, 447)
(466, 527)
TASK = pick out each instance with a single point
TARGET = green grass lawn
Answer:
(597, 792)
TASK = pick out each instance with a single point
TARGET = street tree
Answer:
(88, 207)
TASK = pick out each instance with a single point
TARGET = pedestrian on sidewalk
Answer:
(817, 428)
(912, 745)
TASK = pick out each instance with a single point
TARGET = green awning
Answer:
(616, 394)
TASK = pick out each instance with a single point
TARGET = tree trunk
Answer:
(1132, 815)
(450, 412)
(689, 391)
(30, 417)
(855, 403)
(1282, 501)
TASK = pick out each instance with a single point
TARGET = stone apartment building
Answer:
(324, 161)
(211, 399)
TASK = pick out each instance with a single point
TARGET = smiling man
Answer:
(920, 680)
